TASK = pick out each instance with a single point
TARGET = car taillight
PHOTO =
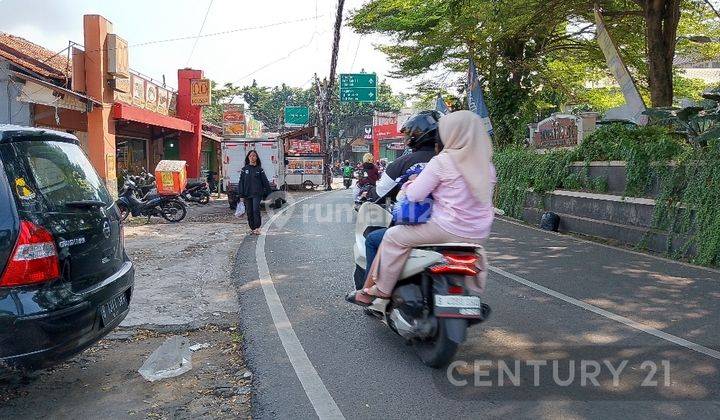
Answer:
(34, 259)
(463, 264)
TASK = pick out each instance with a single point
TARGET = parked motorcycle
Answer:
(144, 183)
(196, 192)
(169, 207)
(430, 306)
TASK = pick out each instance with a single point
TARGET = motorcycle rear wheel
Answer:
(439, 350)
(173, 211)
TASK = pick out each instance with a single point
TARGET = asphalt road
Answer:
(557, 300)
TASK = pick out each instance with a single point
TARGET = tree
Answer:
(519, 45)
(511, 42)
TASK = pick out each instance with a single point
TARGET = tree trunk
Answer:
(661, 23)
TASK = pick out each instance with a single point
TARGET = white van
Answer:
(272, 158)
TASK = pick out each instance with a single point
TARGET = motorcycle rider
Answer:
(347, 172)
(421, 136)
(461, 181)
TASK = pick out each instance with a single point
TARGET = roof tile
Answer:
(33, 57)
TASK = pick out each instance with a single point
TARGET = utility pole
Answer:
(324, 92)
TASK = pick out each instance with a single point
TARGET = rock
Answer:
(244, 390)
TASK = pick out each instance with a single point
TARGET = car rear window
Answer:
(54, 173)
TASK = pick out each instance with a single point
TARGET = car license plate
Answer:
(458, 306)
(112, 308)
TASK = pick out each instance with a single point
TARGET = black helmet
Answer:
(422, 129)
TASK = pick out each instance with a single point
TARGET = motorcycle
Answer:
(196, 192)
(347, 181)
(430, 307)
(169, 207)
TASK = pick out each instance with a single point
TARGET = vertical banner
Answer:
(476, 101)
(441, 106)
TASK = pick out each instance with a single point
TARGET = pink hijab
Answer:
(467, 143)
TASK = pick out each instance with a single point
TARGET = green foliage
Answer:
(267, 105)
(687, 206)
(640, 147)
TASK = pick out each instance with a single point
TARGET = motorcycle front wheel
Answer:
(173, 211)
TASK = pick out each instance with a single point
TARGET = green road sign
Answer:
(358, 87)
(297, 116)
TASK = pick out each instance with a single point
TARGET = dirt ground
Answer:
(183, 286)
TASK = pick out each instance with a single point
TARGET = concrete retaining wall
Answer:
(622, 220)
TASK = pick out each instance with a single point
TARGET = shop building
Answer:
(125, 121)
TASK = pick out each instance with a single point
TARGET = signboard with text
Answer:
(556, 131)
(358, 87)
(233, 120)
(200, 92)
(297, 116)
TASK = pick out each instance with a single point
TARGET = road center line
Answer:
(315, 389)
(610, 315)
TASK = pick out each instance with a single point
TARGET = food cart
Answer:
(303, 158)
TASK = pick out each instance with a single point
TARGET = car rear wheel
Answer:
(173, 211)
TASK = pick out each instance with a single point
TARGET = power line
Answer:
(285, 57)
(197, 38)
(230, 31)
(352, 66)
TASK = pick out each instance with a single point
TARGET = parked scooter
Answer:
(169, 207)
(196, 192)
(430, 307)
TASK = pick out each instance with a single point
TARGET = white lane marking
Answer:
(615, 317)
(572, 237)
(315, 389)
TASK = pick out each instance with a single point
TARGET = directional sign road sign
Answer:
(296, 116)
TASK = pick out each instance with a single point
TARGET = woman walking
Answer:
(253, 188)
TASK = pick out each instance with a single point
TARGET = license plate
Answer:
(112, 308)
(458, 306)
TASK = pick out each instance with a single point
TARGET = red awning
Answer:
(123, 111)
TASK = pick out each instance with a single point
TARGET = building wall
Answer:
(11, 110)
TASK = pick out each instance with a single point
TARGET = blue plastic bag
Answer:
(406, 212)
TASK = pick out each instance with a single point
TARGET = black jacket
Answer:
(403, 163)
(253, 182)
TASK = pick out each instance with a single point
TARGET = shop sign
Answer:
(304, 166)
(368, 132)
(556, 131)
(386, 131)
(233, 120)
(118, 63)
(200, 92)
(360, 149)
(151, 97)
(303, 147)
(396, 146)
(163, 102)
(138, 90)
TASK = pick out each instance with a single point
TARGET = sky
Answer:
(287, 52)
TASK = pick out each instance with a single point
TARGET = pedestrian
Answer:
(253, 188)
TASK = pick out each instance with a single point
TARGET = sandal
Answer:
(374, 292)
(352, 298)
